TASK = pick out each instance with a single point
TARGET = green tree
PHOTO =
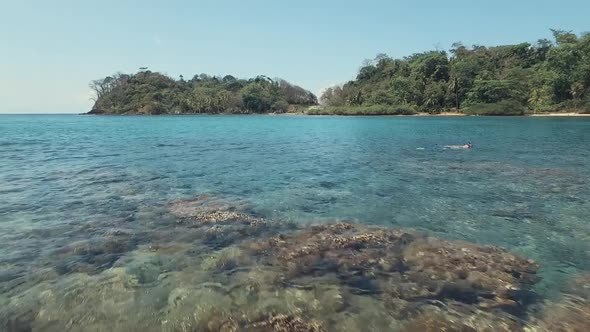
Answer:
(544, 76)
(153, 93)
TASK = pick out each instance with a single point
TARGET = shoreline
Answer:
(447, 114)
(444, 114)
(559, 114)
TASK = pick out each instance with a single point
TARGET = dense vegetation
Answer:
(501, 80)
(363, 110)
(153, 93)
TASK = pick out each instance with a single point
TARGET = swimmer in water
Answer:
(464, 146)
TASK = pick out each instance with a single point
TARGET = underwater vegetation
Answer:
(213, 264)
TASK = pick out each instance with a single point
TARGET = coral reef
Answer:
(223, 222)
(283, 323)
(207, 209)
(224, 260)
(216, 266)
(431, 318)
(403, 268)
(94, 255)
(571, 313)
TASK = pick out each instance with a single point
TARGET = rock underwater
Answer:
(218, 266)
(571, 313)
(417, 278)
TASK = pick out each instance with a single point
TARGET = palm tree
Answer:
(454, 86)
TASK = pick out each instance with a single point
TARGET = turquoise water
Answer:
(63, 179)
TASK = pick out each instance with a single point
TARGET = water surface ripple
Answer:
(80, 181)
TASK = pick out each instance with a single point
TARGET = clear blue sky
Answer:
(50, 50)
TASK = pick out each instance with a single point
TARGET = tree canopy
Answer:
(509, 79)
(149, 92)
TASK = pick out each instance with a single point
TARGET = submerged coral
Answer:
(222, 222)
(434, 319)
(218, 267)
(283, 323)
(571, 313)
(404, 269)
(207, 209)
(223, 260)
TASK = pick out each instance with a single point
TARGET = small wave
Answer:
(23, 142)
(107, 181)
(162, 145)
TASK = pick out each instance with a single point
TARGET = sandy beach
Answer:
(559, 114)
(551, 114)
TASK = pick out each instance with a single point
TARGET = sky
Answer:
(51, 50)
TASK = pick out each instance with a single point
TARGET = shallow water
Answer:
(88, 239)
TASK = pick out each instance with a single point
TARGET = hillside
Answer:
(149, 92)
(500, 80)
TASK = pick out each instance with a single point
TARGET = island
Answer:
(152, 93)
(548, 77)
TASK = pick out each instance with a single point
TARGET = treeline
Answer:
(149, 92)
(511, 79)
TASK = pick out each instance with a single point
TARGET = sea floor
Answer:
(212, 264)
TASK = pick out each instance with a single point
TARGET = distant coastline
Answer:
(507, 80)
(296, 114)
(459, 114)
(560, 114)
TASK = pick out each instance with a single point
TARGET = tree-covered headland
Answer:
(548, 76)
(149, 92)
(501, 80)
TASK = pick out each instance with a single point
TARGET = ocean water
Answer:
(70, 184)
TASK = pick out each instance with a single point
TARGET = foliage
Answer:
(149, 92)
(504, 107)
(546, 76)
(364, 110)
